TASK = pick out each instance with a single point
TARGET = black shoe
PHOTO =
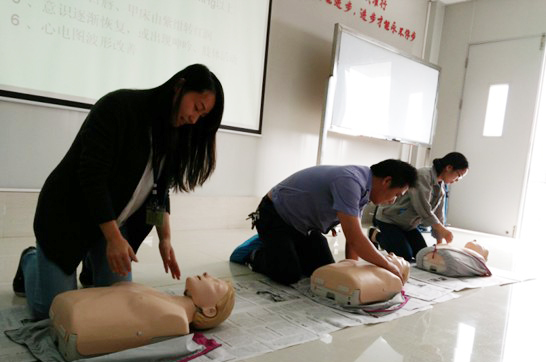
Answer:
(86, 276)
(19, 280)
(372, 235)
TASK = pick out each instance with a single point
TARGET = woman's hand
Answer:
(118, 251)
(119, 255)
(442, 233)
(165, 248)
(169, 259)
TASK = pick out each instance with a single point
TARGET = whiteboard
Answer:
(377, 91)
(72, 53)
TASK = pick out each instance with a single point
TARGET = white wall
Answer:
(300, 45)
(474, 22)
(41, 148)
(298, 67)
(468, 23)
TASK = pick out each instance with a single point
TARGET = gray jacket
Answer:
(422, 204)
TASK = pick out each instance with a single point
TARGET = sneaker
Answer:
(19, 280)
(86, 276)
(372, 235)
(241, 254)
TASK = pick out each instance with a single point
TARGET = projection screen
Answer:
(70, 53)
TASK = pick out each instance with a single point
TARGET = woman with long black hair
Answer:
(113, 184)
(422, 205)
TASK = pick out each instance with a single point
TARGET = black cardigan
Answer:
(97, 177)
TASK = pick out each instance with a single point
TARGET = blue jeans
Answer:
(404, 243)
(44, 279)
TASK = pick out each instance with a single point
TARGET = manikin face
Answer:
(192, 107)
(401, 263)
(480, 249)
(205, 291)
(383, 193)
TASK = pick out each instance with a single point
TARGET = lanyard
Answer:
(156, 169)
(155, 209)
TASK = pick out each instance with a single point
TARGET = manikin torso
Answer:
(453, 261)
(96, 321)
(132, 316)
(357, 282)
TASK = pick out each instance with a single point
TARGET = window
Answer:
(496, 108)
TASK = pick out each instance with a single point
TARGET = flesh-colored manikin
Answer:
(375, 284)
(128, 315)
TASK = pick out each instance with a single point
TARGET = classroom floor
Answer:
(490, 324)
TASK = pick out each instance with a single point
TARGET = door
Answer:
(489, 198)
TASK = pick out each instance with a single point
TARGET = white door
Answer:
(489, 198)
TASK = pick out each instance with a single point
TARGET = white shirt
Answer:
(141, 192)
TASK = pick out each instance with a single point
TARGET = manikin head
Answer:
(213, 298)
(402, 264)
(473, 245)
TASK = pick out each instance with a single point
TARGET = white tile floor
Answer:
(492, 324)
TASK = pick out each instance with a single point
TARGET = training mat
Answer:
(32, 341)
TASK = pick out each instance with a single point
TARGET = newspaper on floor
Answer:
(499, 277)
(269, 316)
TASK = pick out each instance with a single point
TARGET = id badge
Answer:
(154, 213)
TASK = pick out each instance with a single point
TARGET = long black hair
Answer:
(457, 160)
(189, 150)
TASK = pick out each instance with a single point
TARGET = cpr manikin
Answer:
(351, 283)
(453, 261)
(95, 321)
